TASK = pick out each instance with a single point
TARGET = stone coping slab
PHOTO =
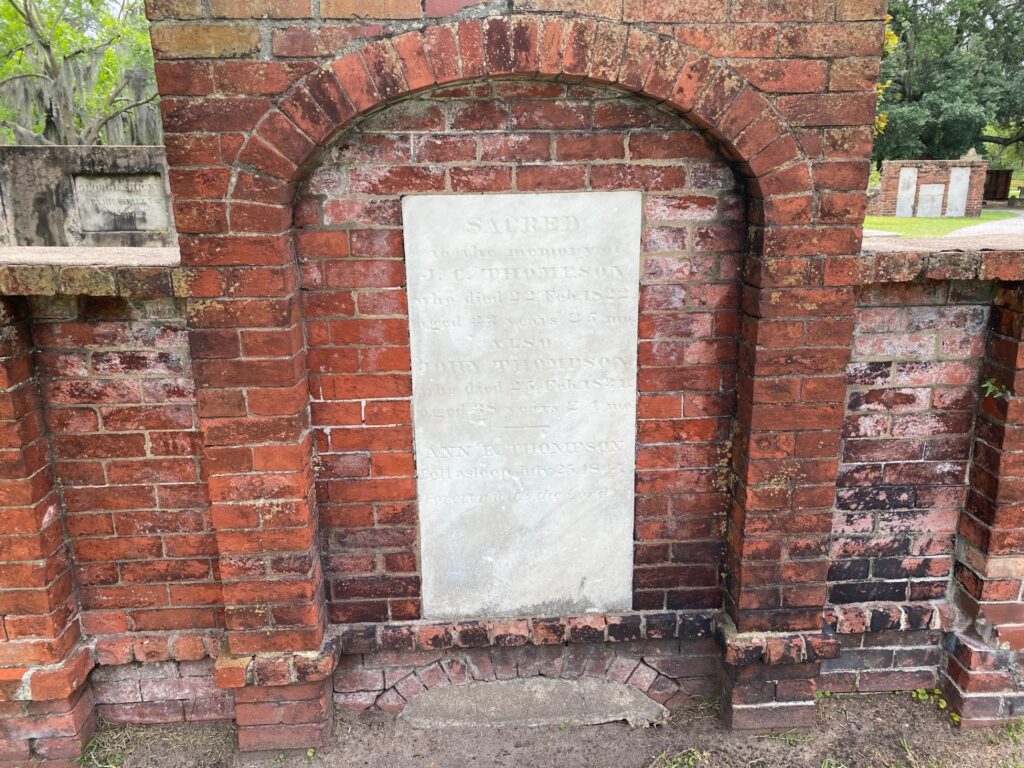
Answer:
(82, 256)
(950, 244)
(150, 273)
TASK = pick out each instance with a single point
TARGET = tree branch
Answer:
(1002, 140)
(92, 48)
(23, 132)
(57, 19)
(24, 76)
(15, 51)
(93, 133)
(18, 9)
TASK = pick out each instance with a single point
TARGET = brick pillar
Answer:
(795, 337)
(769, 683)
(794, 347)
(45, 711)
(249, 357)
(791, 388)
(248, 349)
(982, 661)
(285, 717)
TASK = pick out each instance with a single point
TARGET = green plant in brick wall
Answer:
(995, 389)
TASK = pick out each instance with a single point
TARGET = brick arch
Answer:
(508, 136)
(709, 94)
(486, 665)
(245, 315)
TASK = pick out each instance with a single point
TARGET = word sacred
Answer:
(502, 225)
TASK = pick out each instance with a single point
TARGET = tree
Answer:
(956, 79)
(76, 72)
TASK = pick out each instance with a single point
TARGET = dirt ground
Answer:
(883, 731)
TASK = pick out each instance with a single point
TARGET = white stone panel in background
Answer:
(959, 183)
(906, 193)
(523, 322)
(929, 201)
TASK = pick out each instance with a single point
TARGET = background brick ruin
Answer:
(883, 202)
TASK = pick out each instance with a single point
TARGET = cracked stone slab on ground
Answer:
(533, 702)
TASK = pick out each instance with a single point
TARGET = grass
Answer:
(126, 746)
(691, 758)
(930, 227)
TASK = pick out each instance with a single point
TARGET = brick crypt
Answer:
(208, 478)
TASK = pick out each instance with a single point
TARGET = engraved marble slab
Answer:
(523, 323)
(959, 184)
(125, 203)
(929, 201)
(906, 192)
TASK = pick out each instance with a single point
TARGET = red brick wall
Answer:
(911, 398)
(292, 130)
(160, 692)
(498, 138)
(117, 380)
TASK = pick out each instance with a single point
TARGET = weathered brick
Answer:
(374, 9)
(200, 41)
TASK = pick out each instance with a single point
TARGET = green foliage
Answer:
(934, 696)
(1013, 733)
(957, 73)
(76, 72)
(995, 390)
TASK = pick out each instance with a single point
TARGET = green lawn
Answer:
(930, 227)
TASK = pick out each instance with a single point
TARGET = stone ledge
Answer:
(915, 260)
(592, 628)
(854, 618)
(87, 256)
(774, 648)
(143, 273)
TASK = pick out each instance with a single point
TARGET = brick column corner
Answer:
(46, 710)
(769, 681)
(981, 678)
